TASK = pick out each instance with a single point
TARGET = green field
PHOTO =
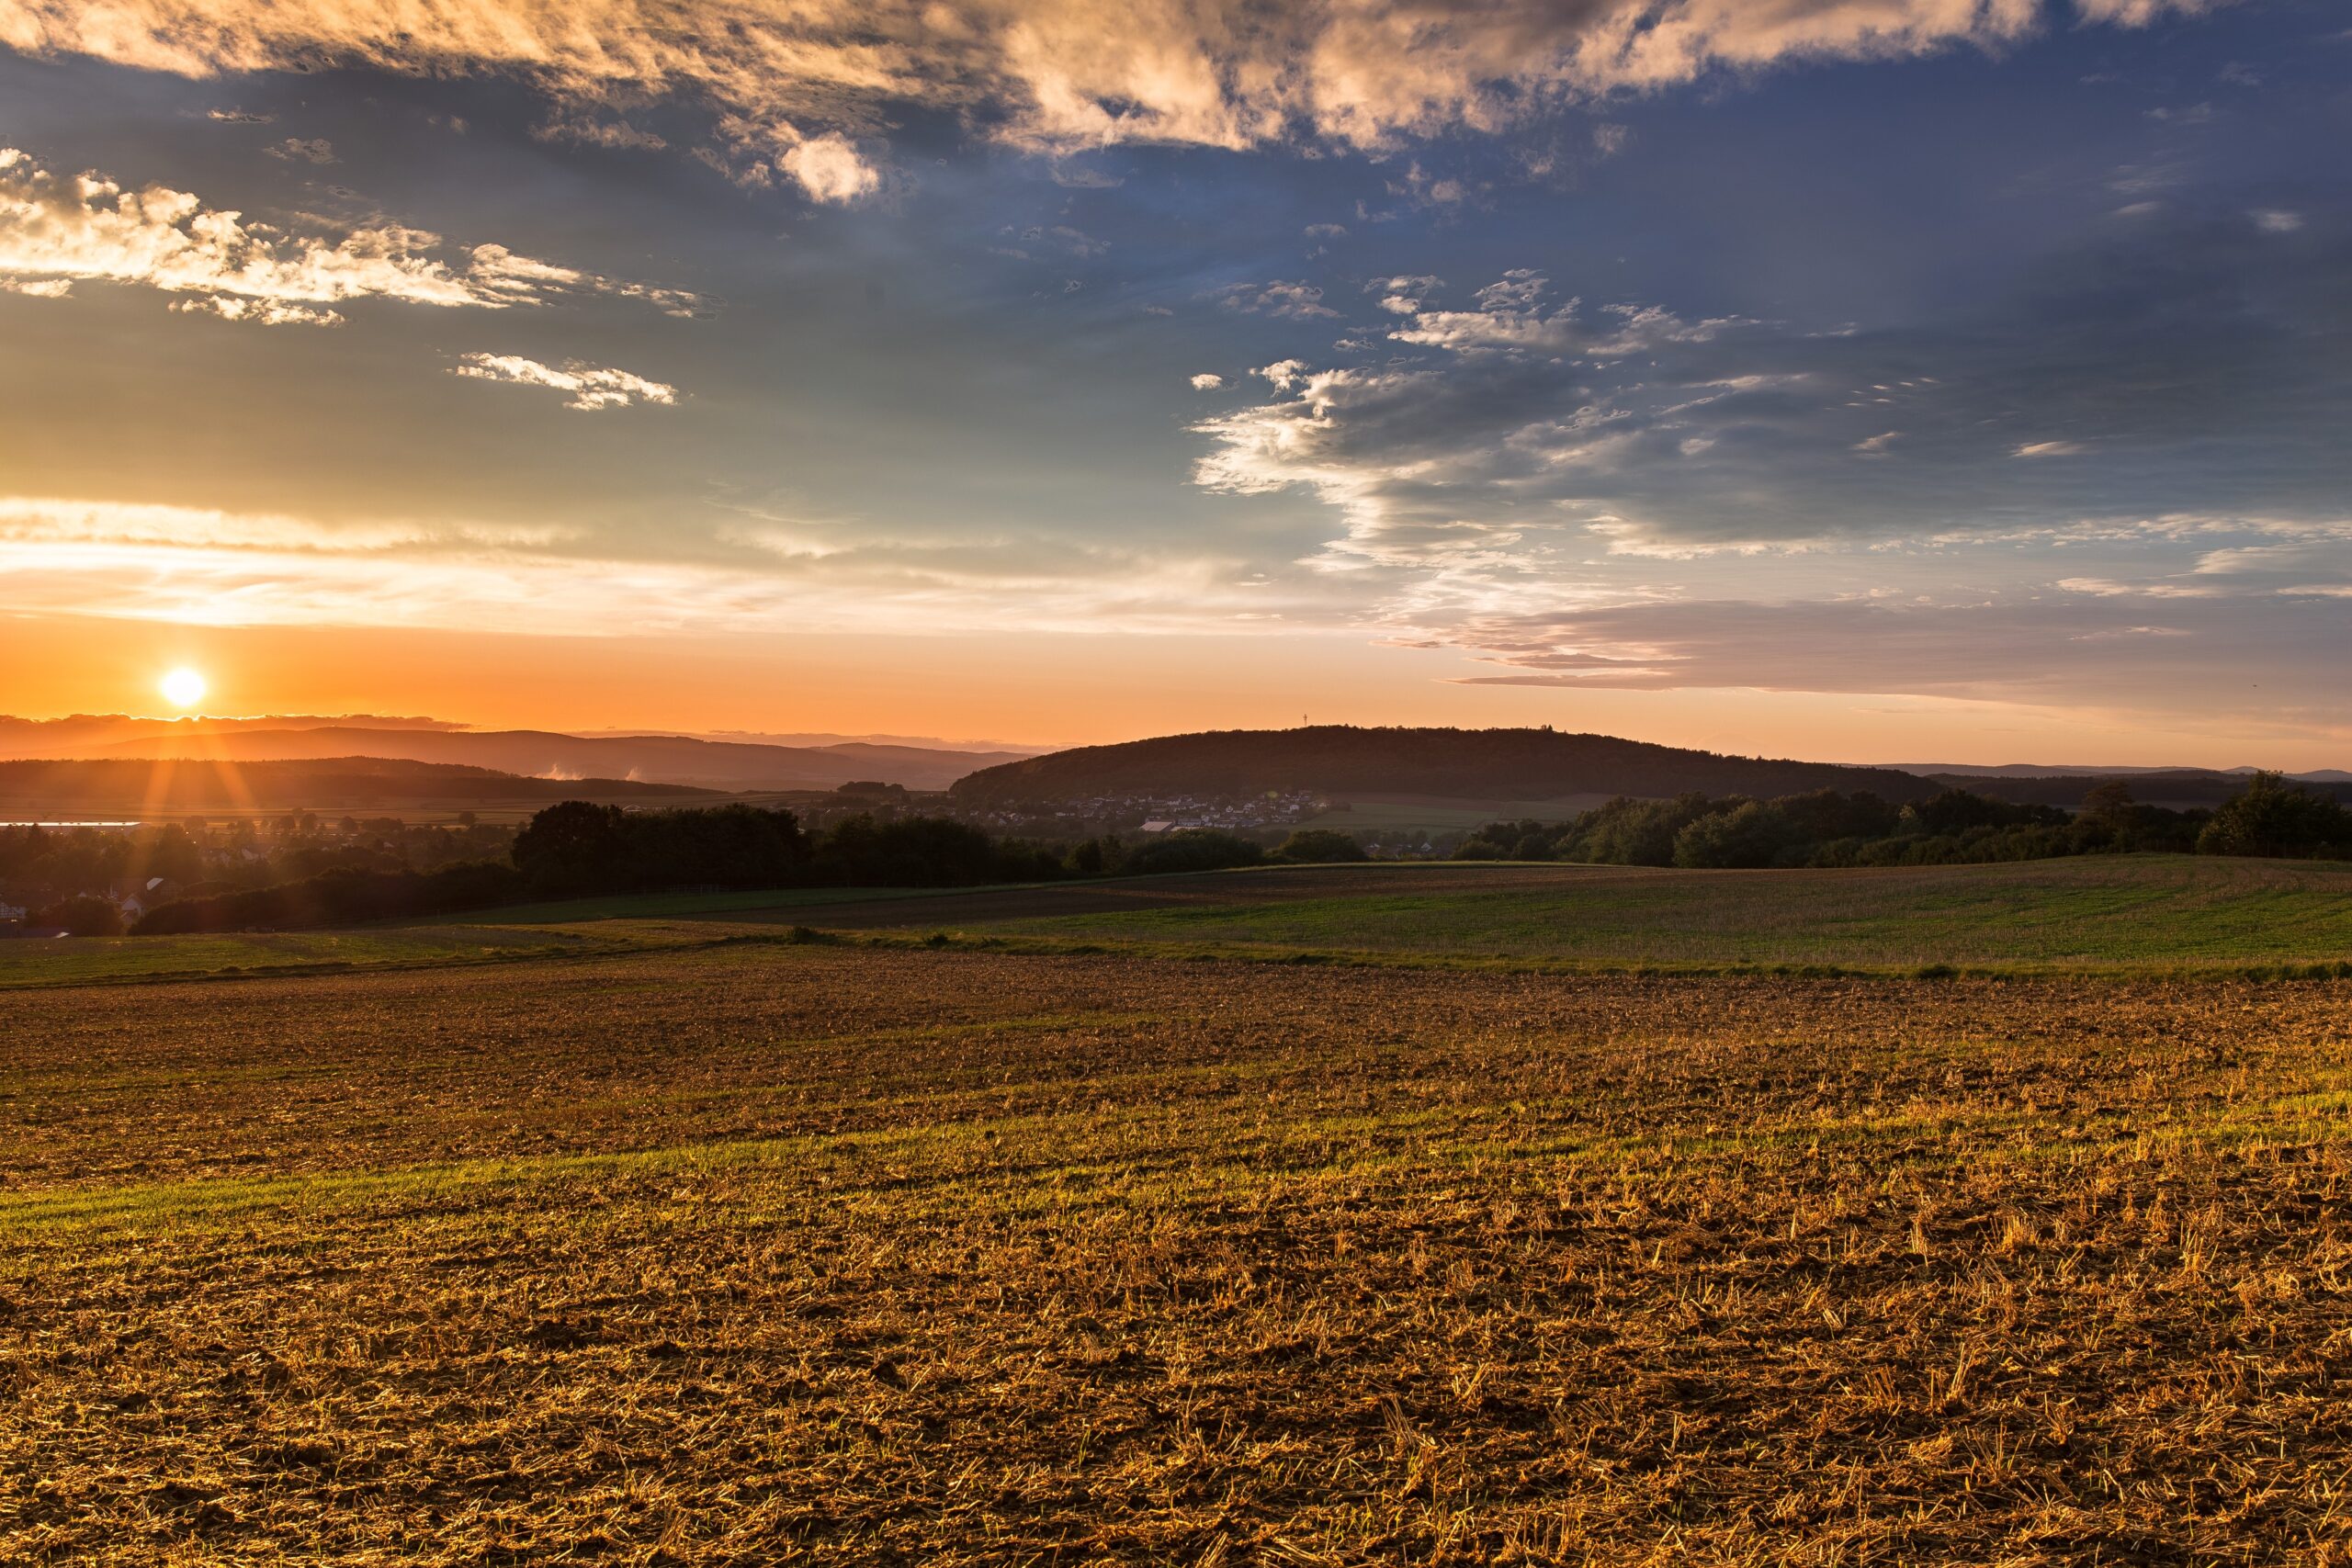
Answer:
(2134, 912)
(73, 960)
(2143, 913)
(2140, 914)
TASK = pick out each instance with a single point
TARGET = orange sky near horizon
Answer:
(1043, 690)
(1901, 381)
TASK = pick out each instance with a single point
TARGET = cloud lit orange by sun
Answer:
(183, 687)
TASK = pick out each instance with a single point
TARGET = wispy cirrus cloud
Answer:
(587, 388)
(209, 566)
(2092, 648)
(58, 231)
(1294, 302)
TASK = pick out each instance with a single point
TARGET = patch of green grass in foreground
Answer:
(81, 960)
(675, 906)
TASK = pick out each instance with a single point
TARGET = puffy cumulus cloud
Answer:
(1056, 76)
(587, 388)
(1207, 381)
(1403, 296)
(57, 231)
(830, 169)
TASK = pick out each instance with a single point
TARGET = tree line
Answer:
(2271, 816)
(579, 849)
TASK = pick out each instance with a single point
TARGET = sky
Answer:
(1931, 380)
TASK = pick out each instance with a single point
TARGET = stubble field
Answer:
(806, 1253)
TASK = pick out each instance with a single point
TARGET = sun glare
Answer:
(183, 688)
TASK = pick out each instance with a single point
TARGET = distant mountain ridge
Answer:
(139, 788)
(823, 739)
(1468, 764)
(658, 758)
(79, 734)
(2060, 770)
(2175, 788)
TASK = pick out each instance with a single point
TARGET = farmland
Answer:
(2138, 913)
(675, 1236)
(2095, 912)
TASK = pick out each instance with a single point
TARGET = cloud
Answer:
(588, 131)
(2276, 219)
(55, 520)
(591, 389)
(262, 312)
(1072, 175)
(2107, 588)
(2193, 367)
(1051, 76)
(830, 169)
(304, 149)
(1403, 296)
(239, 117)
(202, 566)
(1509, 318)
(57, 231)
(1513, 456)
(2090, 651)
(1295, 301)
(1206, 382)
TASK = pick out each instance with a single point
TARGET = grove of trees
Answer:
(2270, 817)
(577, 848)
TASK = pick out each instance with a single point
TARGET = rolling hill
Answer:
(133, 788)
(1467, 764)
(662, 759)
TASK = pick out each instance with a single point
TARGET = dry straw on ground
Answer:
(827, 1255)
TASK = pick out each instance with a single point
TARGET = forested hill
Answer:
(1462, 764)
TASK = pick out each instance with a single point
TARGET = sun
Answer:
(183, 688)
